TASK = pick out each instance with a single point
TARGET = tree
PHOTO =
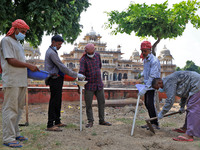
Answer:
(155, 20)
(44, 16)
(190, 66)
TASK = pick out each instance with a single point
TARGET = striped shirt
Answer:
(91, 68)
(54, 65)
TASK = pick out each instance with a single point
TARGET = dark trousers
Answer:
(149, 103)
(88, 96)
(55, 101)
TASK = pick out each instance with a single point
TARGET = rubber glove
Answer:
(81, 77)
(160, 115)
(182, 110)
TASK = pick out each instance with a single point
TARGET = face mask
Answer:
(20, 36)
(55, 47)
(91, 56)
(161, 90)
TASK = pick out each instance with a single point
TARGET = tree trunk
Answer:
(154, 46)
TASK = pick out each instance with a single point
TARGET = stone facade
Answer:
(114, 68)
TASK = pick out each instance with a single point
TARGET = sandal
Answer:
(21, 138)
(105, 123)
(179, 130)
(89, 125)
(183, 138)
(13, 144)
(54, 128)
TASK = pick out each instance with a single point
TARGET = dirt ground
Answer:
(115, 137)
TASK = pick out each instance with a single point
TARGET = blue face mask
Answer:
(161, 90)
(19, 36)
(55, 47)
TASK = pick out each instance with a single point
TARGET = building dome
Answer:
(165, 53)
(135, 53)
(92, 32)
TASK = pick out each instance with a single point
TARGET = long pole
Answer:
(81, 108)
(133, 126)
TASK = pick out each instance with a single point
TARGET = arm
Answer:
(154, 73)
(16, 63)
(170, 88)
(82, 67)
(56, 60)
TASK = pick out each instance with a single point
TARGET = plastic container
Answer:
(38, 75)
(68, 78)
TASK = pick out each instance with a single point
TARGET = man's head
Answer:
(145, 48)
(90, 49)
(157, 83)
(56, 41)
(18, 29)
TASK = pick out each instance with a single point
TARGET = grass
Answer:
(124, 120)
(168, 124)
(71, 126)
(94, 133)
(34, 133)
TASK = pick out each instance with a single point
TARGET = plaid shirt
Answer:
(91, 68)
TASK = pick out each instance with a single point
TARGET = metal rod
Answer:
(133, 126)
(81, 108)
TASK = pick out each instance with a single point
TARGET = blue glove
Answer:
(142, 91)
(160, 115)
(182, 110)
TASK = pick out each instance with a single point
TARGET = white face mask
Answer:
(91, 56)
(55, 47)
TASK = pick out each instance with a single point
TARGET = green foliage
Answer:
(190, 66)
(50, 16)
(156, 20)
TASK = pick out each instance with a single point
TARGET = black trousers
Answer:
(55, 101)
(150, 105)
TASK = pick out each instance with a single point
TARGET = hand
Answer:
(181, 110)
(142, 91)
(160, 115)
(81, 77)
(33, 67)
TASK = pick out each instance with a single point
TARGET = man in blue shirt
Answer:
(151, 71)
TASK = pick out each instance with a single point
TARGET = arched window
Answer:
(114, 77)
(125, 76)
(119, 77)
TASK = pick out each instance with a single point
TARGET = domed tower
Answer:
(167, 67)
(135, 57)
(165, 56)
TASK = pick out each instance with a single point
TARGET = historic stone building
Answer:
(32, 55)
(114, 68)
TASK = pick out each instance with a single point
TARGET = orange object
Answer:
(68, 78)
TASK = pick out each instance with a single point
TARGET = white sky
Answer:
(182, 48)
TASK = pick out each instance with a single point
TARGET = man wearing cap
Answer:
(57, 70)
(151, 71)
(14, 79)
(90, 66)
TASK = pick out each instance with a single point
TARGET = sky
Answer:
(183, 48)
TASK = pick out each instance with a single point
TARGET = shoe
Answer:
(155, 126)
(144, 126)
(14, 144)
(89, 125)
(21, 138)
(54, 128)
(60, 125)
(105, 123)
